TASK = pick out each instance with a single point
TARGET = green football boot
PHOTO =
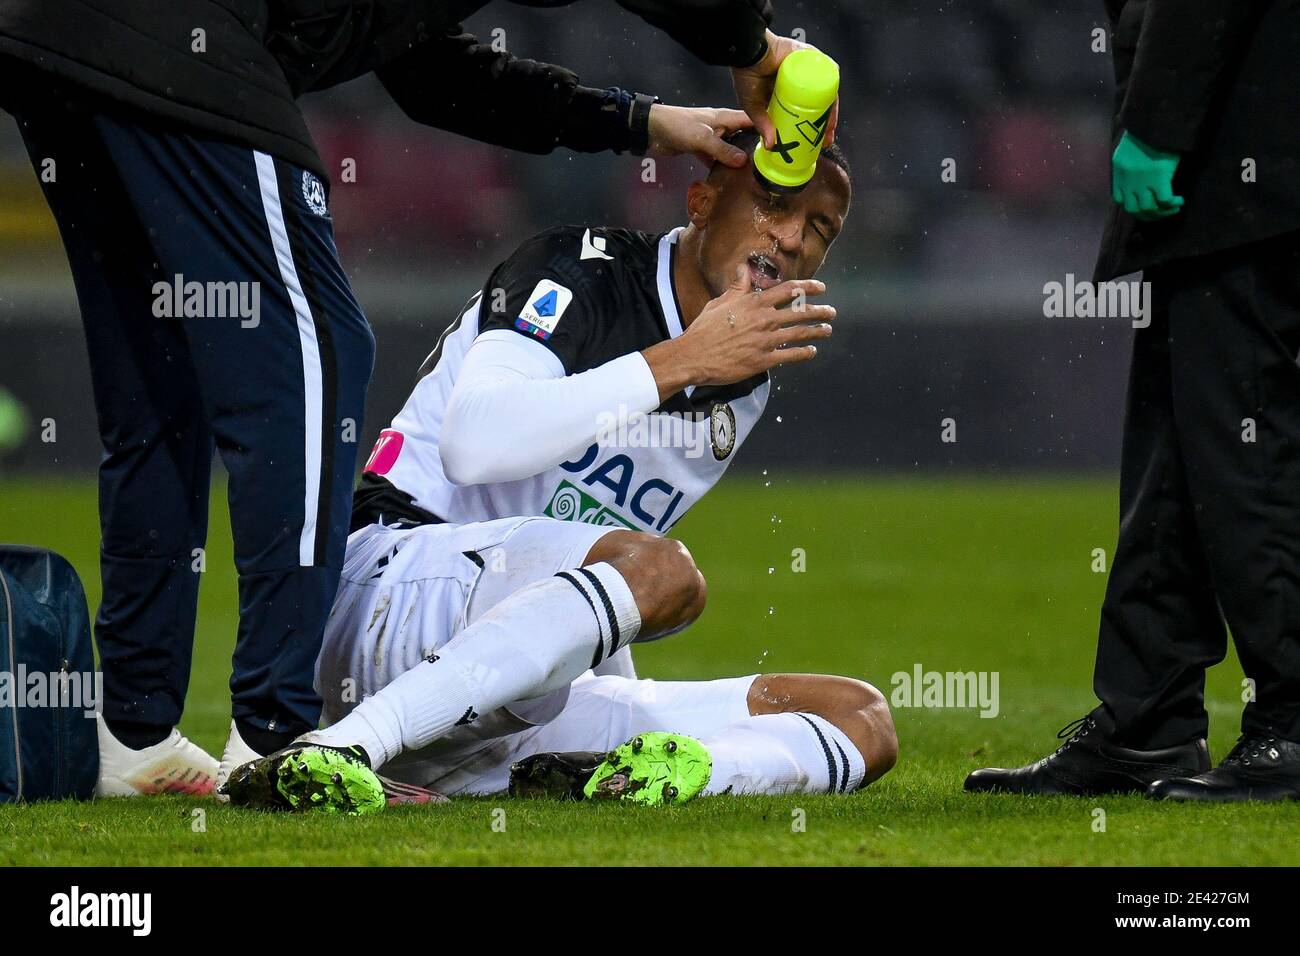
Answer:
(653, 769)
(309, 777)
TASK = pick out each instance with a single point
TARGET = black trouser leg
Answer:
(1235, 318)
(1160, 623)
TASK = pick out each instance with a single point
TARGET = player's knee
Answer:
(862, 712)
(679, 583)
(694, 589)
(670, 590)
(856, 708)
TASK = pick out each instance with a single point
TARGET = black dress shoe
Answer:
(1087, 764)
(1260, 767)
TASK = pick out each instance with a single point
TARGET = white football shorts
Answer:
(405, 592)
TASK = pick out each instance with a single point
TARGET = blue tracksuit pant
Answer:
(217, 317)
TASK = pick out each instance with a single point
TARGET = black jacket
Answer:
(1219, 82)
(262, 54)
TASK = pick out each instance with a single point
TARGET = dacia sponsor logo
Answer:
(571, 503)
(652, 502)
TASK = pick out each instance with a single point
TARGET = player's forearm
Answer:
(504, 426)
(672, 367)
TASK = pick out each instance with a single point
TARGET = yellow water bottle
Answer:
(806, 86)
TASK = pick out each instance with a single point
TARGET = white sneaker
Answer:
(236, 754)
(173, 765)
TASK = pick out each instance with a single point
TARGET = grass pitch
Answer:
(956, 575)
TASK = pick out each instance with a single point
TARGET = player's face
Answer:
(775, 237)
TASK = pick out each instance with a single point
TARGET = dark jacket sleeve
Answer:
(719, 32)
(1186, 55)
(321, 43)
(456, 83)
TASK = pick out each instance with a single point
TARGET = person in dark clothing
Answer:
(193, 206)
(1206, 202)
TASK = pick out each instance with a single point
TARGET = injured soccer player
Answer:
(508, 531)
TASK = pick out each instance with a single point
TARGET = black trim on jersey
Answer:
(702, 399)
(609, 609)
(600, 638)
(378, 501)
(672, 288)
(831, 770)
(615, 309)
(435, 356)
(475, 557)
(329, 374)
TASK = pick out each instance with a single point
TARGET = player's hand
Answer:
(697, 130)
(742, 333)
(754, 86)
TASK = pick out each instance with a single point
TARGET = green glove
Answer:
(1142, 179)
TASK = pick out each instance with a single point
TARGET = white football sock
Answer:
(783, 753)
(617, 665)
(534, 642)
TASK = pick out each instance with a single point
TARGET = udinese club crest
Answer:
(722, 430)
(313, 193)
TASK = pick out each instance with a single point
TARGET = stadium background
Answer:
(939, 284)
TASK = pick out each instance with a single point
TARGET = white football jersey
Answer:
(590, 295)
